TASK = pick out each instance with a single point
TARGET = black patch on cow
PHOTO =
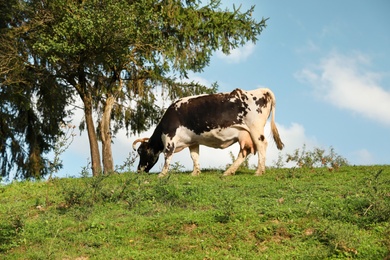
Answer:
(262, 102)
(170, 148)
(204, 113)
(148, 156)
(199, 114)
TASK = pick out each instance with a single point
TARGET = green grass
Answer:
(285, 214)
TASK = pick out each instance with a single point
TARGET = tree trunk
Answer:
(105, 132)
(93, 142)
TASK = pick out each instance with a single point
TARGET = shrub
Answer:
(317, 158)
(378, 198)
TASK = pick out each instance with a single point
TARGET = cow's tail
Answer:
(274, 129)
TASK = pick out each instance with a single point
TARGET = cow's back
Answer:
(204, 113)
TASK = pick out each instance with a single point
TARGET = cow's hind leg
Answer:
(194, 151)
(261, 146)
(233, 168)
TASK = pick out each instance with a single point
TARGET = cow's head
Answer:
(147, 157)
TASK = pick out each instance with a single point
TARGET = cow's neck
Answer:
(155, 140)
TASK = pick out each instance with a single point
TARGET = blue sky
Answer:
(328, 63)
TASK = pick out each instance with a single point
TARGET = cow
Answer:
(215, 120)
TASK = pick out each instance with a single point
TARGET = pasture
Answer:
(284, 214)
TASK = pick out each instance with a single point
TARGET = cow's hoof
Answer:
(195, 174)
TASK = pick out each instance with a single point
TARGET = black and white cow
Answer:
(217, 120)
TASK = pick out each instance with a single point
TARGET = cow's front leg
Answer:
(194, 151)
(168, 156)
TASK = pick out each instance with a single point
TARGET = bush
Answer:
(317, 158)
(378, 198)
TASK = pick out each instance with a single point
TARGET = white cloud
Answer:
(294, 137)
(237, 55)
(308, 47)
(195, 78)
(362, 157)
(77, 155)
(345, 82)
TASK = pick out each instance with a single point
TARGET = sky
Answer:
(328, 64)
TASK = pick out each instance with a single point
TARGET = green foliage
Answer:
(62, 143)
(137, 44)
(29, 126)
(176, 167)
(280, 162)
(377, 196)
(128, 163)
(115, 55)
(32, 101)
(10, 228)
(318, 216)
(316, 158)
(225, 209)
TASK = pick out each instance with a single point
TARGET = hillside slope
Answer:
(287, 213)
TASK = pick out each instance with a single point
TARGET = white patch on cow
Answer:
(233, 99)
(185, 100)
(216, 138)
(249, 134)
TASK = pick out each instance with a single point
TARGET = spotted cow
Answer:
(216, 120)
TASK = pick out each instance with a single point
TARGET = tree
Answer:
(32, 101)
(115, 53)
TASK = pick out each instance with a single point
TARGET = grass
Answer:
(285, 214)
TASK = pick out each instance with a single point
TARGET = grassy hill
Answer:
(285, 214)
